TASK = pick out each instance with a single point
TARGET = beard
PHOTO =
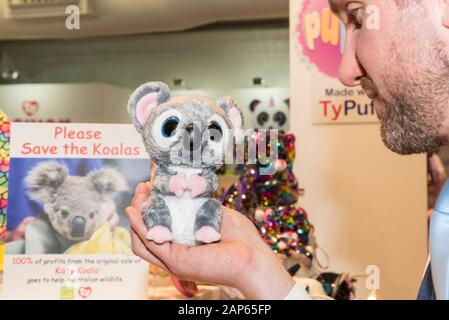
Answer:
(415, 100)
(406, 128)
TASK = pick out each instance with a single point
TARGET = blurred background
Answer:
(210, 47)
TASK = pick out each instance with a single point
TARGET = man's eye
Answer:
(355, 17)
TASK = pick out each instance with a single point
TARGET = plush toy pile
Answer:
(269, 200)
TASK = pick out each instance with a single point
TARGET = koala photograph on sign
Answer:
(67, 206)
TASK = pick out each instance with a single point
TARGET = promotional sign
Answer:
(67, 235)
(319, 38)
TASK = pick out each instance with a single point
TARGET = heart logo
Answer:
(30, 107)
(85, 292)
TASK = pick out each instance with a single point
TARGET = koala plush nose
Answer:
(194, 135)
(78, 227)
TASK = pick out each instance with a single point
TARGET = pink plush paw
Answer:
(178, 184)
(207, 235)
(198, 185)
(159, 234)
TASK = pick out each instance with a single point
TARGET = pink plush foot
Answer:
(178, 184)
(207, 235)
(198, 185)
(159, 234)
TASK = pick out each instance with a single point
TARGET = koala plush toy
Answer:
(74, 207)
(187, 137)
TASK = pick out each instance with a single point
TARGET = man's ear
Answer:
(107, 180)
(229, 105)
(444, 5)
(144, 99)
(44, 180)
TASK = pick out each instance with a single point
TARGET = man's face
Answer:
(403, 65)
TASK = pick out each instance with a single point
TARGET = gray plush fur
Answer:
(173, 155)
(74, 206)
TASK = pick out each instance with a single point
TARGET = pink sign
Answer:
(320, 35)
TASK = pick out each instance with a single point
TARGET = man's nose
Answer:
(351, 71)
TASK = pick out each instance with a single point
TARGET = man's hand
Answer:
(241, 259)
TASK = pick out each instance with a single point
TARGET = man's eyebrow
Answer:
(336, 5)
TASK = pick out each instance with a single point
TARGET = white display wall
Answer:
(64, 102)
(104, 103)
(368, 204)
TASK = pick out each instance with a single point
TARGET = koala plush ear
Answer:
(107, 180)
(144, 99)
(44, 179)
(229, 105)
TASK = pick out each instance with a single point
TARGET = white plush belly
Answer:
(183, 211)
(183, 214)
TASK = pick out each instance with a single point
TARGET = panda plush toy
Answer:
(270, 115)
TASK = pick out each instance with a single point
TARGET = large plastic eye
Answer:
(262, 118)
(216, 132)
(280, 118)
(169, 126)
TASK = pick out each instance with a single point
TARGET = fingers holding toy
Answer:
(143, 188)
(153, 169)
(136, 222)
(240, 259)
(140, 195)
(219, 263)
(137, 241)
(201, 262)
(141, 251)
(167, 256)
